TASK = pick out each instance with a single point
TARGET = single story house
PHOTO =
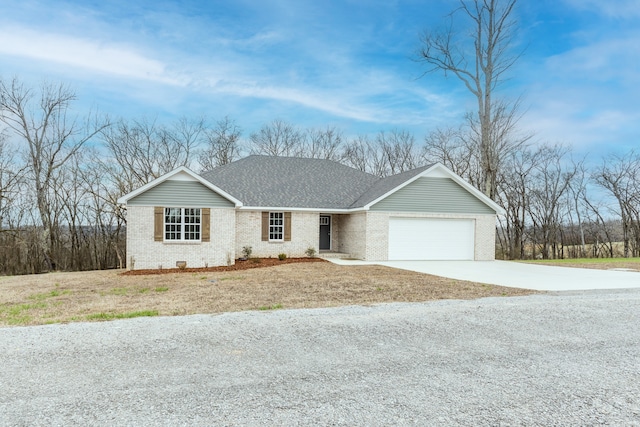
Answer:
(289, 204)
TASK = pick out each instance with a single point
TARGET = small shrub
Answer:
(247, 251)
(311, 252)
(181, 264)
(282, 256)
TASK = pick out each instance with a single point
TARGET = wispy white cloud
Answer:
(622, 9)
(98, 56)
(613, 58)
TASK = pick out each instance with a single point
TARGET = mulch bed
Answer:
(239, 265)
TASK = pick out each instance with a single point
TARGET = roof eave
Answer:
(298, 209)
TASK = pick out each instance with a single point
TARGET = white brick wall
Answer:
(348, 234)
(363, 235)
(485, 237)
(305, 233)
(144, 253)
(377, 236)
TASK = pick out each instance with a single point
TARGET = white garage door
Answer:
(431, 239)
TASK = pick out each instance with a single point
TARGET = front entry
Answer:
(325, 233)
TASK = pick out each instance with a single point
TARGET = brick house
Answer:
(288, 205)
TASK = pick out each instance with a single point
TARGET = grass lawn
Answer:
(105, 295)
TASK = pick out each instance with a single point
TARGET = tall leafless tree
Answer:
(513, 194)
(52, 136)
(449, 147)
(619, 175)
(399, 151)
(222, 144)
(278, 138)
(142, 150)
(550, 178)
(479, 54)
(324, 143)
(11, 178)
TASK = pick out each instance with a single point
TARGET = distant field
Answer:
(575, 250)
(596, 263)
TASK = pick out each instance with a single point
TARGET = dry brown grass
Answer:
(95, 295)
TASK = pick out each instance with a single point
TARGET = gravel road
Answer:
(554, 359)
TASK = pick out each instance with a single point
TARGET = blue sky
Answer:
(316, 63)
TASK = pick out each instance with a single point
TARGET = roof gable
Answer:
(435, 195)
(182, 174)
(437, 171)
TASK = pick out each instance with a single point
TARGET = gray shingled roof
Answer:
(294, 182)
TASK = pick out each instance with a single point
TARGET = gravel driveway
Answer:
(554, 359)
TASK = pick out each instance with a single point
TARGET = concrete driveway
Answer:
(520, 275)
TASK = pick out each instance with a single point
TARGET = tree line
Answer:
(61, 176)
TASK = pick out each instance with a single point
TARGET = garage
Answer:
(431, 239)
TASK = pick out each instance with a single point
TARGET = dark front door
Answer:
(325, 233)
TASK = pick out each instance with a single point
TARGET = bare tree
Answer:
(449, 147)
(398, 150)
(356, 153)
(513, 194)
(504, 138)
(11, 178)
(577, 196)
(42, 121)
(142, 150)
(549, 182)
(620, 176)
(278, 138)
(363, 154)
(324, 143)
(222, 144)
(480, 59)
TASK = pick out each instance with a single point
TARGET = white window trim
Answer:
(183, 226)
(281, 226)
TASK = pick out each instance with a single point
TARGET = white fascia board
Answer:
(182, 169)
(289, 209)
(439, 167)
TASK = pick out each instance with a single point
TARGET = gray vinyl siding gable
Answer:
(433, 195)
(181, 193)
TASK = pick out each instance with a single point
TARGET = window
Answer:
(276, 226)
(182, 224)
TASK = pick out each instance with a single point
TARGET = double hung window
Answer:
(276, 226)
(182, 224)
